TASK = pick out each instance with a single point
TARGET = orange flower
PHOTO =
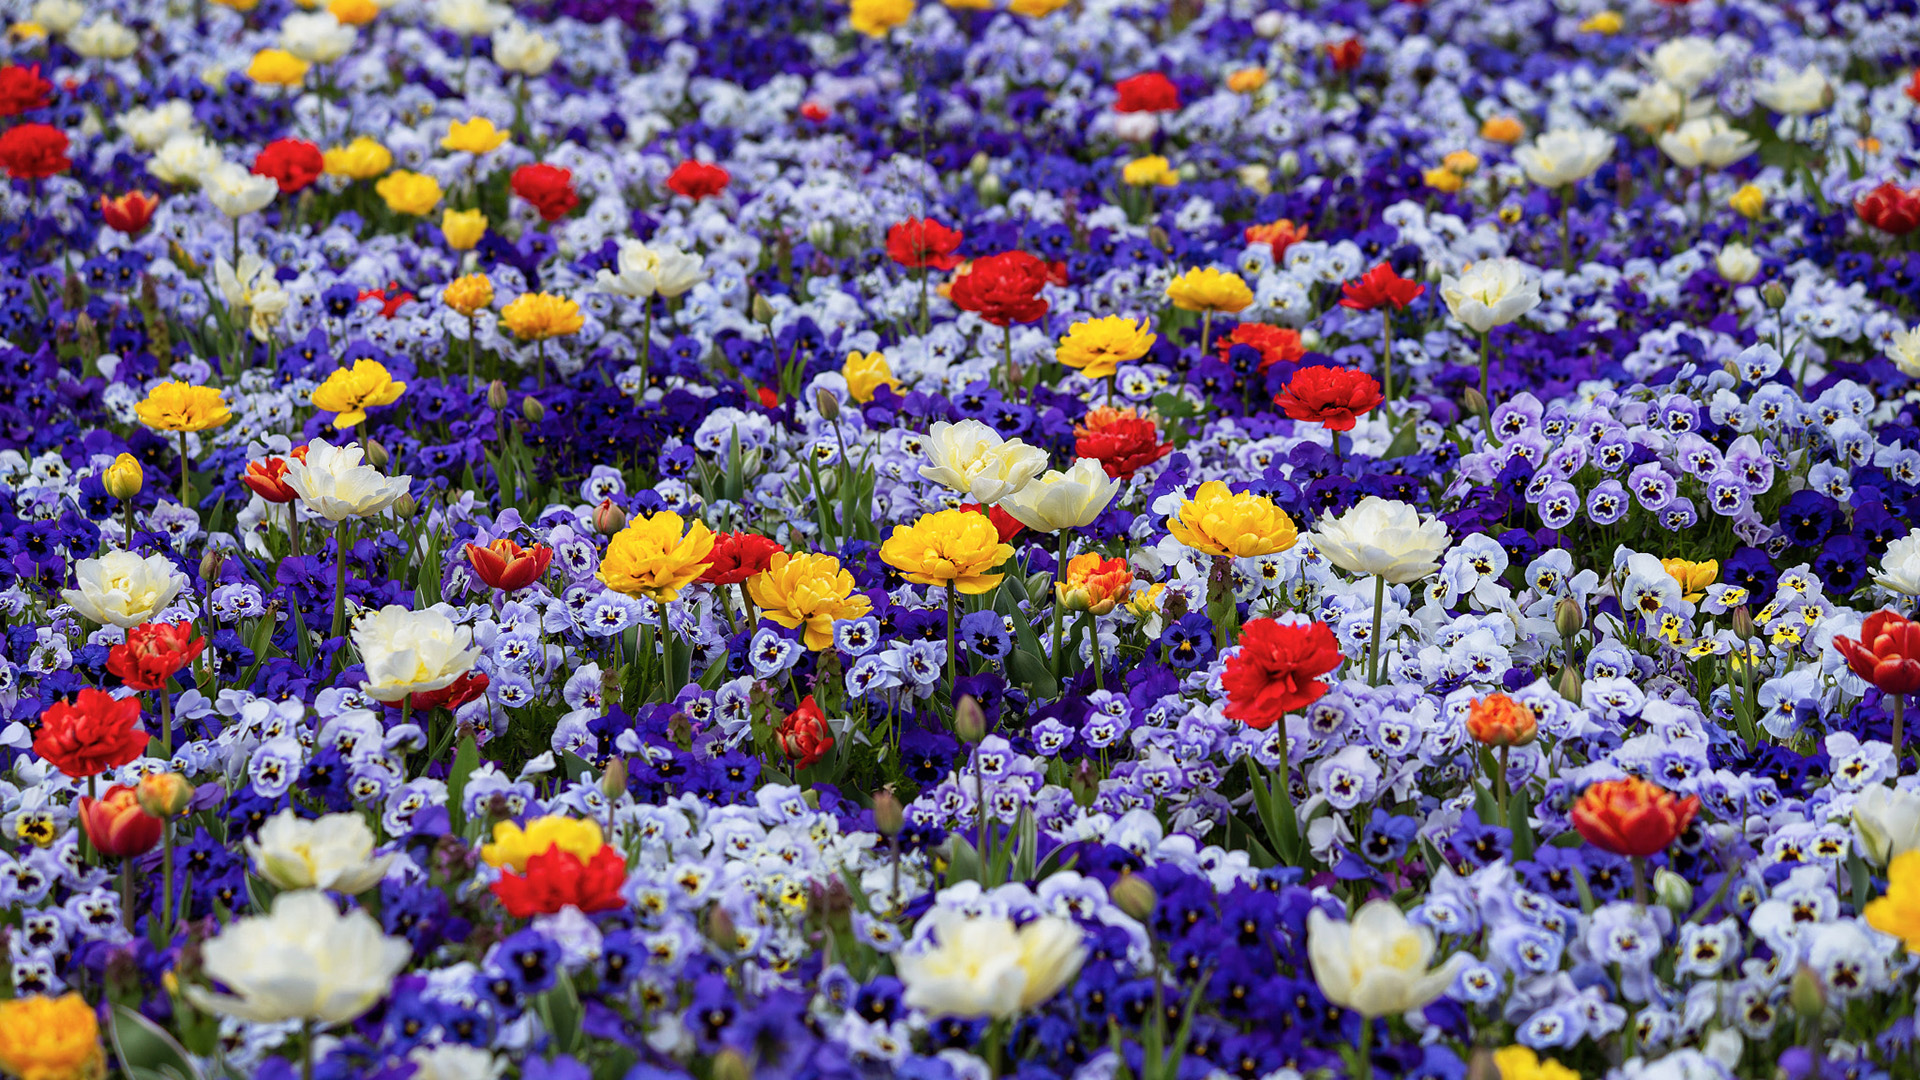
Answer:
(506, 565)
(1094, 584)
(1502, 129)
(1279, 236)
(118, 826)
(1498, 720)
(1632, 817)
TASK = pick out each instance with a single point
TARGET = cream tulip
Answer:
(316, 37)
(237, 191)
(471, 18)
(1491, 292)
(1904, 351)
(1564, 156)
(1655, 106)
(332, 483)
(1385, 539)
(1063, 500)
(57, 16)
(1900, 566)
(184, 158)
(972, 459)
(104, 39)
(645, 271)
(523, 50)
(333, 852)
(411, 652)
(304, 961)
(1796, 93)
(1886, 822)
(1685, 62)
(1378, 964)
(151, 129)
(1706, 142)
(1737, 264)
(984, 966)
(123, 589)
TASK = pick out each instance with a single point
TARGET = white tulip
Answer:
(411, 652)
(984, 966)
(1737, 264)
(1886, 821)
(1655, 106)
(471, 18)
(1904, 351)
(305, 961)
(1565, 156)
(184, 159)
(1900, 566)
(333, 484)
(1383, 538)
(972, 459)
(316, 37)
(1685, 62)
(1796, 94)
(644, 271)
(332, 852)
(1706, 142)
(123, 589)
(455, 1061)
(151, 129)
(1491, 292)
(522, 49)
(57, 16)
(237, 191)
(104, 40)
(1063, 500)
(1376, 965)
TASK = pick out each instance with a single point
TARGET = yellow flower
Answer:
(124, 478)
(1749, 202)
(46, 1038)
(1036, 9)
(1143, 603)
(463, 228)
(1606, 22)
(277, 67)
(361, 159)
(178, 406)
(956, 547)
(1694, 577)
(1219, 522)
(1503, 129)
(1898, 912)
(807, 590)
(1150, 171)
(469, 294)
(969, 5)
(1521, 1063)
(1207, 289)
(409, 192)
(354, 12)
(537, 316)
(875, 18)
(476, 136)
(866, 373)
(239, 5)
(656, 556)
(1443, 179)
(512, 846)
(1247, 80)
(1099, 346)
(26, 31)
(1463, 162)
(352, 391)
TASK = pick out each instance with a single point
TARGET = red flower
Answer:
(153, 652)
(1123, 441)
(1632, 817)
(1277, 670)
(90, 734)
(453, 695)
(392, 298)
(1151, 92)
(22, 90)
(34, 152)
(1887, 653)
(1277, 344)
(130, 213)
(1913, 85)
(1003, 289)
(548, 188)
(738, 556)
(506, 565)
(1004, 523)
(267, 479)
(1331, 396)
(918, 242)
(292, 163)
(1887, 208)
(768, 396)
(804, 735)
(698, 180)
(1278, 236)
(1347, 54)
(117, 825)
(1379, 287)
(814, 112)
(557, 879)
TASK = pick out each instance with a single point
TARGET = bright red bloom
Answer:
(22, 90)
(698, 180)
(153, 653)
(768, 396)
(1277, 344)
(130, 213)
(455, 694)
(267, 479)
(738, 556)
(1004, 523)
(291, 163)
(1379, 287)
(506, 565)
(1890, 209)
(804, 735)
(549, 188)
(1277, 670)
(91, 733)
(557, 879)
(1333, 397)
(1151, 92)
(1632, 817)
(392, 298)
(1887, 653)
(1913, 85)
(1346, 55)
(924, 242)
(1123, 441)
(34, 152)
(814, 112)
(118, 826)
(1003, 289)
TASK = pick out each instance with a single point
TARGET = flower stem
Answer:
(1386, 354)
(1059, 616)
(184, 490)
(1373, 642)
(1363, 1069)
(339, 579)
(1899, 727)
(126, 894)
(953, 660)
(166, 721)
(1485, 337)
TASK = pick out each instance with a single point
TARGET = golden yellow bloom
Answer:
(1749, 202)
(409, 192)
(26, 31)
(469, 294)
(361, 159)
(1247, 80)
(242, 6)
(1144, 603)
(277, 67)
(1503, 129)
(875, 18)
(352, 391)
(46, 1038)
(124, 478)
(805, 590)
(956, 547)
(1149, 172)
(1219, 522)
(354, 12)
(969, 5)
(1606, 22)
(1099, 346)
(866, 373)
(476, 136)
(1443, 179)
(1207, 289)
(1694, 577)
(512, 846)
(656, 556)
(1521, 1063)
(1037, 9)
(538, 316)
(1898, 912)
(1463, 162)
(178, 406)
(463, 228)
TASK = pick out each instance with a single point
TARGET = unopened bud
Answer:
(608, 518)
(1158, 237)
(164, 795)
(496, 395)
(124, 478)
(990, 188)
(762, 308)
(1808, 997)
(1569, 683)
(820, 234)
(1133, 895)
(828, 404)
(979, 165)
(969, 720)
(889, 817)
(531, 408)
(1774, 294)
(1289, 164)
(1742, 622)
(1568, 617)
(211, 564)
(377, 455)
(406, 505)
(613, 781)
(720, 929)
(1672, 891)
(728, 1064)
(1474, 401)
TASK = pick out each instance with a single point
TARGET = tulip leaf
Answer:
(144, 1049)
(560, 1008)
(465, 760)
(1519, 812)
(1405, 441)
(963, 860)
(1861, 878)
(1031, 671)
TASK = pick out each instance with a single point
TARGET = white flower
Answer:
(645, 271)
(1655, 106)
(123, 589)
(522, 49)
(1886, 822)
(332, 852)
(411, 652)
(184, 159)
(972, 459)
(316, 37)
(1796, 94)
(1685, 62)
(57, 16)
(986, 967)
(150, 129)
(1063, 500)
(1904, 351)
(471, 18)
(1706, 142)
(237, 191)
(105, 39)
(263, 313)
(305, 961)
(331, 482)
(455, 1061)
(1383, 538)
(1491, 292)
(1737, 263)
(1376, 965)
(1565, 156)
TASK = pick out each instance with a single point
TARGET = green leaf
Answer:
(1031, 671)
(1405, 441)
(1519, 809)
(563, 1014)
(465, 760)
(145, 1049)
(963, 860)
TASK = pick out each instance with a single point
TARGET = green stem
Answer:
(1059, 616)
(1386, 355)
(166, 721)
(1364, 1069)
(185, 495)
(339, 579)
(1373, 643)
(126, 894)
(953, 660)
(1485, 337)
(1206, 330)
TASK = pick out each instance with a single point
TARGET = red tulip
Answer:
(1632, 817)
(117, 824)
(1004, 523)
(804, 736)
(1277, 344)
(814, 112)
(1346, 55)
(738, 556)
(1330, 396)
(267, 479)
(698, 180)
(1003, 289)
(130, 213)
(22, 90)
(1277, 670)
(291, 163)
(1123, 441)
(548, 188)
(1151, 92)
(91, 734)
(453, 695)
(922, 242)
(557, 879)
(153, 653)
(506, 565)
(34, 152)
(1890, 209)
(1887, 653)
(1378, 288)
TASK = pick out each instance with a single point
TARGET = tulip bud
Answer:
(377, 455)
(406, 505)
(889, 817)
(1482, 1066)
(608, 518)
(211, 564)
(1158, 237)
(117, 825)
(1474, 401)
(1289, 164)
(531, 408)
(990, 188)
(497, 395)
(1568, 617)
(762, 308)
(613, 781)
(1775, 295)
(1134, 896)
(124, 478)
(820, 234)
(1672, 891)
(1808, 997)
(828, 404)
(979, 165)
(729, 1065)
(164, 795)
(720, 929)
(1742, 623)
(1569, 683)
(1310, 339)
(969, 720)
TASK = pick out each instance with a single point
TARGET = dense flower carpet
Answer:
(956, 539)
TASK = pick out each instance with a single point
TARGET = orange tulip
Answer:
(506, 565)
(1632, 817)
(1498, 720)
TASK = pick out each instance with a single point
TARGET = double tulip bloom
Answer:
(1277, 670)
(153, 653)
(807, 592)
(656, 556)
(1632, 817)
(951, 547)
(1332, 397)
(804, 736)
(1094, 584)
(1226, 524)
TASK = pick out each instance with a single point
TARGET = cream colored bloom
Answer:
(1655, 106)
(972, 458)
(1383, 538)
(332, 852)
(1796, 93)
(236, 191)
(123, 589)
(104, 39)
(1063, 500)
(1564, 156)
(305, 961)
(471, 18)
(1900, 566)
(455, 1061)
(644, 271)
(150, 129)
(1886, 822)
(519, 48)
(316, 37)
(1706, 142)
(411, 652)
(333, 483)
(972, 967)
(1737, 263)
(1491, 292)
(57, 16)
(1685, 62)
(1376, 965)
(184, 159)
